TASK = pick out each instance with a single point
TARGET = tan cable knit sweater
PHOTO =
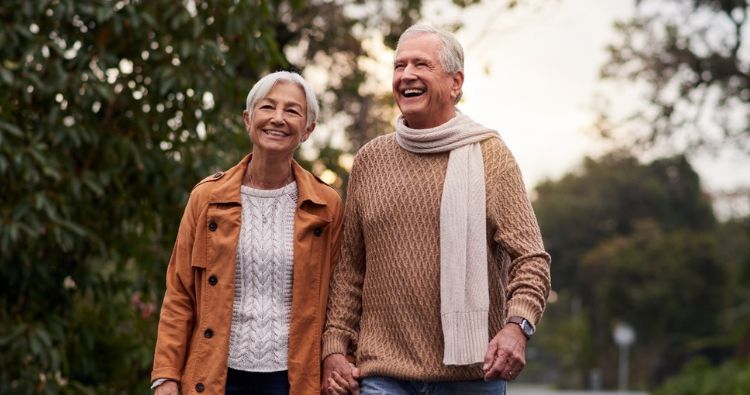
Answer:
(385, 292)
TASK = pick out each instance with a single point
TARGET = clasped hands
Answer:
(504, 360)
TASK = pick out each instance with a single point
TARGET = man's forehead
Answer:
(417, 50)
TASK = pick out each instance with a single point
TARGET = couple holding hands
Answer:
(430, 281)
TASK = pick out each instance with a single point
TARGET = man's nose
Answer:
(408, 72)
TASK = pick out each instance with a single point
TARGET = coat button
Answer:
(200, 387)
(212, 226)
(213, 280)
(208, 333)
(318, 232)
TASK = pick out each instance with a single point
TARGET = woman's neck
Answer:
(264, 172)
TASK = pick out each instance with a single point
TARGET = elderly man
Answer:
(443, 274)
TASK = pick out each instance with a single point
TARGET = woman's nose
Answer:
(278, 117)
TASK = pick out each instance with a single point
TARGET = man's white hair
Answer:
(451, 53)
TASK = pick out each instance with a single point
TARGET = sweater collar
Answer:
(228, 190)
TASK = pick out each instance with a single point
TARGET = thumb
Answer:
(355, 373)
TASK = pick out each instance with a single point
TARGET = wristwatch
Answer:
(526, 327)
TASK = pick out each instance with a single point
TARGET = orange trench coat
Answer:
(196, 316)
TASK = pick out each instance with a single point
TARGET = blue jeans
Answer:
(379, 385)
(256, 383)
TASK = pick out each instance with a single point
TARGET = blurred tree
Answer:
(701, 377)
(692, 60)
(109, 113)
(670, 287)
(587, 209)
(606, 197)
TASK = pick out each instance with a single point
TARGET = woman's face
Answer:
(276, 124)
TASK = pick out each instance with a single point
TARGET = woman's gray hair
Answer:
(451, 53)
(264, 85)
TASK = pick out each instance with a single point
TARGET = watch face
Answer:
(527, 328)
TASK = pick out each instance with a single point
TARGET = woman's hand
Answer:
(168, 387)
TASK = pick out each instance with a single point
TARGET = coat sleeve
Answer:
(517, 233)
(345, 299)
(177, 310)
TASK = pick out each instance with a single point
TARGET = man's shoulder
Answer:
(495, 149)
(382, 142)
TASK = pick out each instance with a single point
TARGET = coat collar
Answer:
(228, 188)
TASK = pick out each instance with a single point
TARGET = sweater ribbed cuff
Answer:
(526, 309)
(465, 337)
(334, 344)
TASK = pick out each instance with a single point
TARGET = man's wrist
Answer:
(524, 325)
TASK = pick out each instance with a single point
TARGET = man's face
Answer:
(424, 91)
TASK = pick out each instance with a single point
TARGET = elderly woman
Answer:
(247, 283)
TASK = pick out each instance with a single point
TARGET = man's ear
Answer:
(458, 83)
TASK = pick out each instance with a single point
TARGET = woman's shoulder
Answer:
(204, 187)
(311, 182)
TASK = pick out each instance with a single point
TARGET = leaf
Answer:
(11, 128)
(15, 333)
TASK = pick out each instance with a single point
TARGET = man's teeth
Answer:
(276, 133)
(413, 92)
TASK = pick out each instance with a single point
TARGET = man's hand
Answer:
(506, 354)
(339, 376)
(168, 387)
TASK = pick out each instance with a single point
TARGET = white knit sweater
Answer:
(263, 280)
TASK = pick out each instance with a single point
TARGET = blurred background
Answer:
(630, 121)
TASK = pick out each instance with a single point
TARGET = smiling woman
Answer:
(247, 284)
(278, 122)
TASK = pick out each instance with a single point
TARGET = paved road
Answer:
(535, 390)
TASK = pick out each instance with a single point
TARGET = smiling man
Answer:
(443, 275)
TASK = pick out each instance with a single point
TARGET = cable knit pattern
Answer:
(390, 317)
(263, 281)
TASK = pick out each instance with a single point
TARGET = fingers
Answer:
(339, 376)
(497, 367)
(353, 383)
(489, 356)
(507, 360)
(334, 388)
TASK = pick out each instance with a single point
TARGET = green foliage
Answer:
(606, 197)
(690, 56)
(639, 243)
(659, 283)
(109, 113)
(699, 377)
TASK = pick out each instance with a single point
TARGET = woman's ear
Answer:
(246, 119)
(308, 132)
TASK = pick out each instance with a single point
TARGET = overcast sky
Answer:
(532, 74)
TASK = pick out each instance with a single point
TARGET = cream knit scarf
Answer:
(464, 293)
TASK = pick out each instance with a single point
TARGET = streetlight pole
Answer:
(624, 336)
